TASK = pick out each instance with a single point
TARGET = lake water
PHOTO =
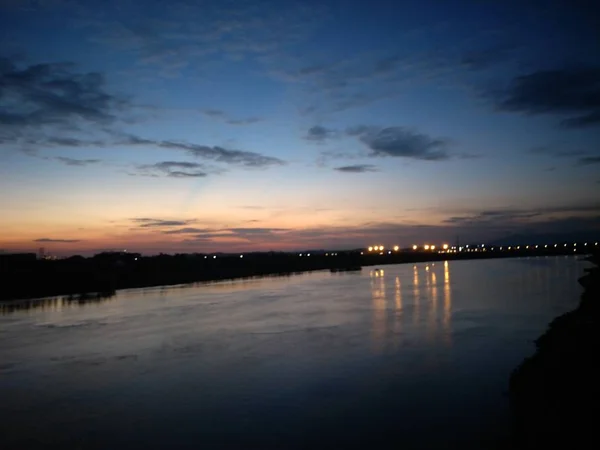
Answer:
(405, 357)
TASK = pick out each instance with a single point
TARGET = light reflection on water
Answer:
(424, 306)
(375, 358)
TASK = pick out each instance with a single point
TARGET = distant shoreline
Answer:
(98, 277)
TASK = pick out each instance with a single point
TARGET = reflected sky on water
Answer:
(411, 356)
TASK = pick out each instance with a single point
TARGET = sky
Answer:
(235, 125)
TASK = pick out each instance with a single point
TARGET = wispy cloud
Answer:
(191, 31)
(503, 217)
(57, 241)
(148, 222)
(319, 133)
(218, 114)
(188, 230)
(589, 160)
(400, 142)
(357, 168)
(215, 153)
(178, 169)
(557, 152)
(571, 92)
(76, 162)
(52, 94)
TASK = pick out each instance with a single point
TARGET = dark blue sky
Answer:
(217, 125)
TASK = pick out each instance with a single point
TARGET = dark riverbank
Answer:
(555, 394)
(107, 272)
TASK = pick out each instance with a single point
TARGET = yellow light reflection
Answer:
(447, 305)
(434, 304)
(398, 313)
(379, 311)
(398, 295)
(416, 292)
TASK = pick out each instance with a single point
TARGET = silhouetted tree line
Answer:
(108, 271)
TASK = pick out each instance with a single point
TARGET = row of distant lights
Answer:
(445, 247)
(381, 248)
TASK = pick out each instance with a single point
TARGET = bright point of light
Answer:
(396, 248)
(308, 254)
(241, 256)
(300, 254)
(546, 246)
(585, 243)
(555, 245)
(135, 259)
(565, 245)
(360, 253)
(426, 267)
(415, 247)
(205, 257)
(433, 247)
(381, 247)
(574, 244)
(527, 246)
(467, 246)
(215, 257)
(370, 249)
(509, 248)
(518, 247)
(426, 247)
(445, 247)
(389, 252)
(536, 246)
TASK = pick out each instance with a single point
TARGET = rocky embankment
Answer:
(555, 394)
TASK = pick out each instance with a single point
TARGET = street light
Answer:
(426, 247)
(415, 247)
(396, 248)
(445, 247)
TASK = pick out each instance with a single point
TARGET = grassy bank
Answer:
(555, 394)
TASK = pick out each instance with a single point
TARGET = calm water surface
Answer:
(406, 357)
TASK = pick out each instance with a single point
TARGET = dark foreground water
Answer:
(407, 357)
